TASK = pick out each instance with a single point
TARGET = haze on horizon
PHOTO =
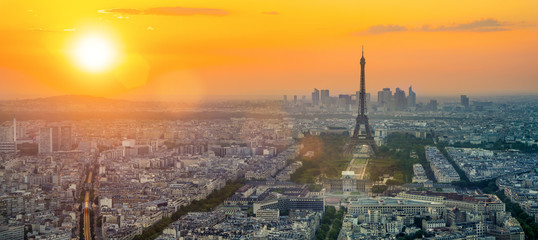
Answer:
(165, 50)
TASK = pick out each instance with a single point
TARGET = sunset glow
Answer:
(268, 48)
(94, 53)
(268, 119)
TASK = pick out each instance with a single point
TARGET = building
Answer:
(388, 205)
(52, 139)
(8, 147)
(6, 134)
(13, 232)
(65, 138)
(400, 102)
(443, 171)
(429, 225)
(8, 138)
(315, 97)
(384, 98)
(464, 100)
(411, 98)
(324, 97)
(45, 140)
(291, 203)
(344, 100)
(268, 214)
(347, 183)
(419, 173)
(477, 203)
(105, 202)
(432, 105)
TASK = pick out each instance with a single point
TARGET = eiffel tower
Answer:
(362, 135)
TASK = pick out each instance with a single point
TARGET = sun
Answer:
(94, 53)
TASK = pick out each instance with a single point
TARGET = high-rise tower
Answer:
(362, 135)
(14, 129)
(412, 98)
(315, 97)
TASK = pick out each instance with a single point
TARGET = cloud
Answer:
(482, 25)
(377, 29)
(180, 11)
(131, 11)
(39, 29)
(271, 13)
(168, 11)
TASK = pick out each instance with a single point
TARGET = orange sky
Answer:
(175, 50)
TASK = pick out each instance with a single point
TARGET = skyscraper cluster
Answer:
(464, 100)
(322, 99)
(295, 101)
(55, 138)
(386, 101)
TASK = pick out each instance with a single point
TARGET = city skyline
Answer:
(164, 51)
(184, 120)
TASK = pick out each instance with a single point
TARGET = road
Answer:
(87, 234)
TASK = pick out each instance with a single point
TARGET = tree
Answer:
(418, 234)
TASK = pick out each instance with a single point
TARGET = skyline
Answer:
(196, 51)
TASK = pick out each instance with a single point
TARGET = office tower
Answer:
(285, 98)
(432, 105)
(315, 97)
(412, 98)
(384, 98)
(304, 99)
(464, 100)
(362, 135)
(45, 140)
(400, 102)
(55, 135)
(14, 129)
(65, 138)
(52, 139)
(295, 99)
(324, 97)
(344, 100)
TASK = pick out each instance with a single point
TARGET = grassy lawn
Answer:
(328, 160)
(393, 158)
(359, 161)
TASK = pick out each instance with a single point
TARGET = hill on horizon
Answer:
(74, 99)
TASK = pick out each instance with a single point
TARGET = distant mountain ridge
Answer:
(74, 99)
